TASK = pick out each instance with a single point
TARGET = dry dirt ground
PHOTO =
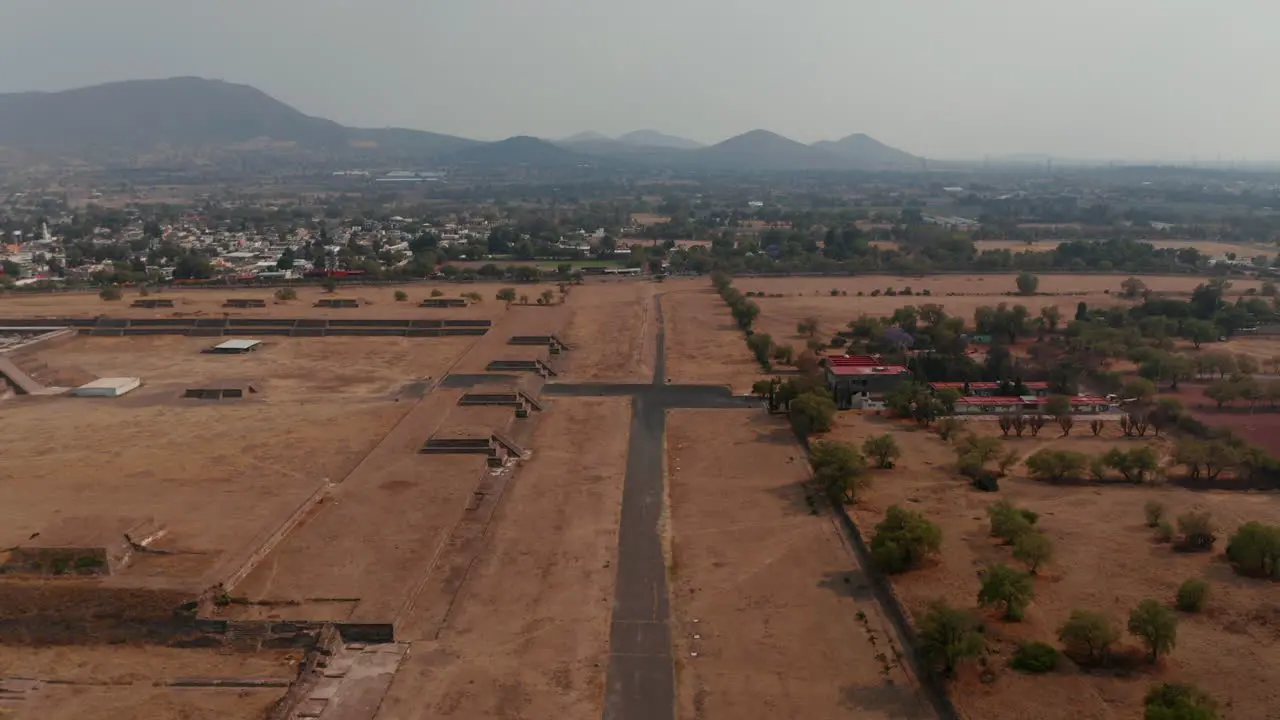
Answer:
(811, 297)
(703, 343)
(1106, 559)
(377, 301)
(766, 596)
(323, 403)
(527, 635)
(113, 682)
(612, 331)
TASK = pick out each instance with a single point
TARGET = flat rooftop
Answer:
(237, 345)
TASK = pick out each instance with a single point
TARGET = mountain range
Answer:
(137, 117)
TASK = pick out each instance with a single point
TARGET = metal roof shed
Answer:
(236, 346)
(108, 387)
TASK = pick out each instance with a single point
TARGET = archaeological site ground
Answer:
(445, 507)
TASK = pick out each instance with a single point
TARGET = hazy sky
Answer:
(1134, 79)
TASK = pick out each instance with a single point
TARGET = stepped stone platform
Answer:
(517, 399)
(530, 366)
(244, 303)
(338, 303)
(496, 446)
(82, 546)
(554, 344)
(221, 391)
(443, 303)
(152, 303)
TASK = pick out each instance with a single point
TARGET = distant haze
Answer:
(1140, 79)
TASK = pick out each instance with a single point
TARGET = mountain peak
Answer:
(653, 138)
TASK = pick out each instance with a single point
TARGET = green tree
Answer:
(506, 295)
(1027, 283)
(947, 636)
(1033, 549)
(110, 293)
(1089, 634)
(1156, 625)
(401, 296)
(1006, 589)
(811, 413)
(884, 448)
(1135, 465)
(1056, 465)
(330, 285)
(836, 467)
(1139, 389)
(1058, 406)
(10, 269)
(286, 293)
(1199, 331)
(903, 540)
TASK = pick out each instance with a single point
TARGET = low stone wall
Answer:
(935, 687)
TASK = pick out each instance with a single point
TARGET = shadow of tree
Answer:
(891, 700)
(851, 584)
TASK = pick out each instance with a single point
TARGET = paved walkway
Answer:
(640, 684)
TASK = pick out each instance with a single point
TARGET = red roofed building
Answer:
(853, 379)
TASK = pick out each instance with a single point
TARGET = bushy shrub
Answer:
(437, 293)
(286, 293)
(1197, 531)
(1008, 522)
(1176, 701)
(1164, 532)
(1089, 635)
(1035, 657)
(110, 293)
(1192, 595)
(1154, 511)
(401, 296)
(1255, 550)
(903, 540)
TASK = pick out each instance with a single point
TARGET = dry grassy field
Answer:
(702, 342)
(960, 295)
(1106, 559)
(529, 630)
(111, 682)
(765, 596)
(321, 405)
(613, 331)
(1211, 248)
